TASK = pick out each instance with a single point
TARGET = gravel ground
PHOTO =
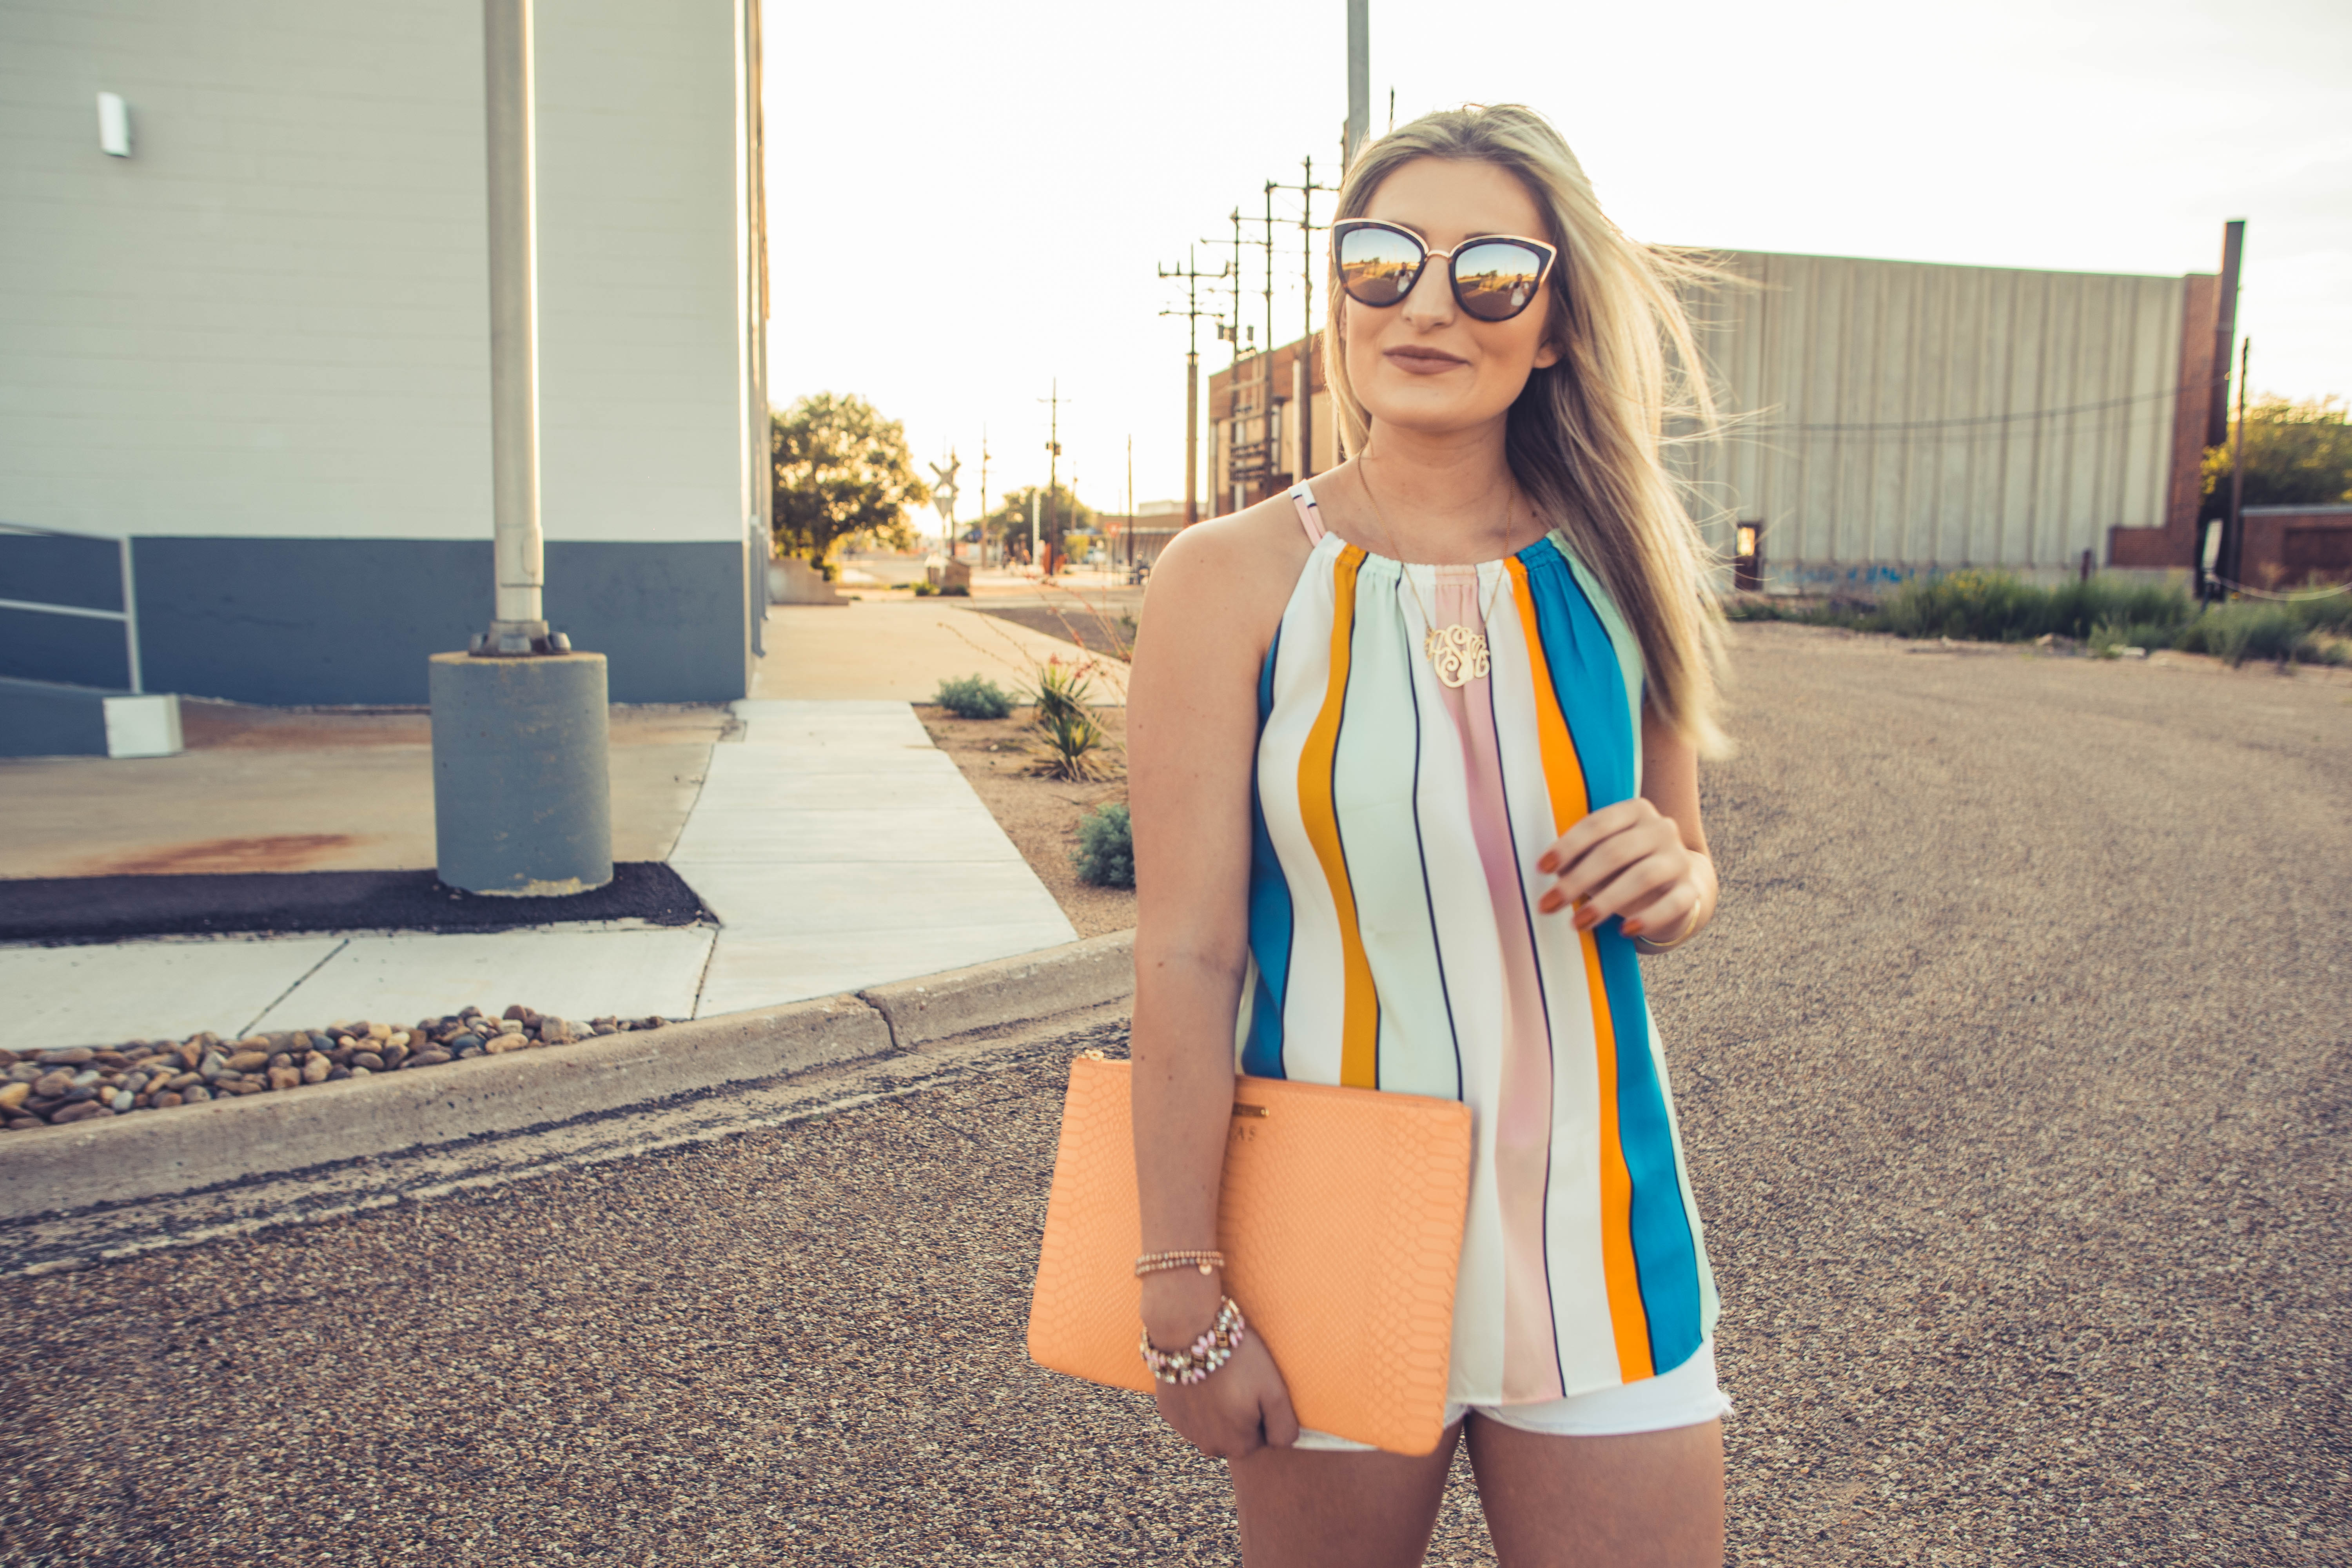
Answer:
(2013, 1084)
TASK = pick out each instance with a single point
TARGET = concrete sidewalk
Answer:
(899, 650)
(837, 847)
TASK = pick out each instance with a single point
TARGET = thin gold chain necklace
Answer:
(1457, 653)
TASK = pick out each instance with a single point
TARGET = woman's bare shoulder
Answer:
(1231, 573)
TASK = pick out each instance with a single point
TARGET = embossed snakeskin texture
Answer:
(1340, 1220)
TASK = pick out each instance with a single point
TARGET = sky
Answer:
(1049, 157)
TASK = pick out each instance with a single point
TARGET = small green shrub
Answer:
(924, 590)
(974, 698)
(1106, 853)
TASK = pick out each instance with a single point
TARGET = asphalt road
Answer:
(2013, 1078)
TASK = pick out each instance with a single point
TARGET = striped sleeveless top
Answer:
(1395, 945)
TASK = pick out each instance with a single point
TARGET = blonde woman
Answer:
(1414, 776)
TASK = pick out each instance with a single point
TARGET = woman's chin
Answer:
(1439, 414)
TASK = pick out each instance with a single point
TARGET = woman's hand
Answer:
(1239, 1407)
(1629, 859)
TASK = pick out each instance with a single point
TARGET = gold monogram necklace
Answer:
(1457, 653)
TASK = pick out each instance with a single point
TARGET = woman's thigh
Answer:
(1644, 1500)
(1306, 1507)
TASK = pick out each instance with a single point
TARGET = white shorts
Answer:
(1686, 1397)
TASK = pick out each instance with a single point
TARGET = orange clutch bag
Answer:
(1340, 1221)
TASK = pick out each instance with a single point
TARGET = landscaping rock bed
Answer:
(55, 1089)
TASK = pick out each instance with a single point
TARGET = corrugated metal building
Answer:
(1901, 416)
(1894, 417)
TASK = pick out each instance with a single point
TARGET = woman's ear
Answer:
(1547, 353)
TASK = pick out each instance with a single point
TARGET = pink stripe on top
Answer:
(1522, 1120)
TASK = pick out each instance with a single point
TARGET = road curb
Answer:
(122, 1160)
(1007, 991)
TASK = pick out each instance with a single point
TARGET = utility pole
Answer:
(1360, 80)
(2225, 336)
(1192, 274)
(1303, 364)
(1130, 503)
(1265, 376)
(1053, 465)
(2233, 536)
(983, 497)
(522, 798)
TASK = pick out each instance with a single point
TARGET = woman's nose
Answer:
(1431, 303)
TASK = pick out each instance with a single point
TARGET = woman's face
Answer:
(1423, 365)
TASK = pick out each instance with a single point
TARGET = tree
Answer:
(2297, 454)
(1009, 524)
(840, 470)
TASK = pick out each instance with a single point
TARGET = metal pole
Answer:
(1130, 500)
(982, 548)
(1359, 77)
(2233, 538)
(1265, 429)
(1054, 466)
(1307, 339)
(2225, 332)
(519, 623)
(131, 617)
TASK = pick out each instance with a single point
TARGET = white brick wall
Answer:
(272, 319)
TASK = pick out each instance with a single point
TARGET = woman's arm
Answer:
(1643, 858)
(1192, 740)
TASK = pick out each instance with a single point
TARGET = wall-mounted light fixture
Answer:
(113, 125)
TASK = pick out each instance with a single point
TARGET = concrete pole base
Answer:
(522, 791)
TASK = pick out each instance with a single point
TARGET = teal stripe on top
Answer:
(1588, 681)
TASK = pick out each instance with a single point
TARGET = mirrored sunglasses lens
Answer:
(1495, 281)
(1377, 267)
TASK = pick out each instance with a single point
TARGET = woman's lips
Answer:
(1423, 362)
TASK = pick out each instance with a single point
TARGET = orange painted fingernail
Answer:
(1548, 862)
(1631, 928)
(1551, 902)
(1585, 920)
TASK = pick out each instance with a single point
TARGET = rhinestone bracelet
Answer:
(1159, 1262)
(1203, 1356)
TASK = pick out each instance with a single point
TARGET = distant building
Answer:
(257, 347)
(1899, 418)
(1139, 540)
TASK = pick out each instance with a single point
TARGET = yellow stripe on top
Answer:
(1360, 1023)
(1564, 780)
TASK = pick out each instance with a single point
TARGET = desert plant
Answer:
(974, 698)
(1106, 853)
(1069, 737)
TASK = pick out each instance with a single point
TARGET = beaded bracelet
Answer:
(1203, 1356)
(1157, 1262)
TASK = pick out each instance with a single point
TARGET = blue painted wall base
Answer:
(334, 622)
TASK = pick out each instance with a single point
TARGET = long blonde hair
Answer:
(1587, 438)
